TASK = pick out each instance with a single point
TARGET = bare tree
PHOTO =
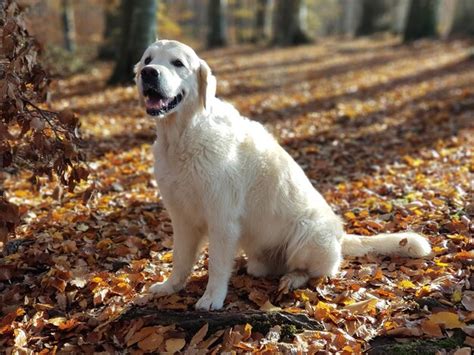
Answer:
(217, 18)
(138, 32)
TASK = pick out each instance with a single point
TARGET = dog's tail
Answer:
(402, 244)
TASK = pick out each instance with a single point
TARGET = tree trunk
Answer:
(374, 17)
(199, 20)
(69, 27)
(217, 19)
(289, 26)
(463, 18)
(421, 20)
(261, 20)
(138, 32)
(369, 15)
(351, 16)
(399, 16)
(111, 37)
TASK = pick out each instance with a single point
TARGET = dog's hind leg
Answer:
(316, 253)
(257, 267)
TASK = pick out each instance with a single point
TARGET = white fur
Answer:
(225, 178)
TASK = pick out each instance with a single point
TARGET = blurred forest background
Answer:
(75, 32)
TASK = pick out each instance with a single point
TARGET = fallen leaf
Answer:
(463, 351)
(366, 306)
(469, 341)
(140, 335)
(174, 345)
(468, 300)
(57, 321)
(457, 296)
(448, 319)
(200, 335)
(431, 328)
(269, 307)
(20, 338)
(68, 324)
(406, 285)
(151, 343)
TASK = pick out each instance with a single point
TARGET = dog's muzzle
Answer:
(156, 102)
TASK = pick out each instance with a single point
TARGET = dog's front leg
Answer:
(222, 248)
(186, 243)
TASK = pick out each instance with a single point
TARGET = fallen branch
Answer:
(192, 321)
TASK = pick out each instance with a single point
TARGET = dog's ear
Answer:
(207, 85)
(136, 70)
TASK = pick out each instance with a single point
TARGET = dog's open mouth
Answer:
(156, 104)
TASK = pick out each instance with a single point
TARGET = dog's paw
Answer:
(210, 302)
(142, 300)
(162, 289)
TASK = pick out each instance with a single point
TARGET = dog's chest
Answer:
(179, 176)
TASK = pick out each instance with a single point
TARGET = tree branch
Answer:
(192, 321)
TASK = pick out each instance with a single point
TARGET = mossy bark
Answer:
(192, 321)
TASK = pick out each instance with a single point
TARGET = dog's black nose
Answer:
(149, 73)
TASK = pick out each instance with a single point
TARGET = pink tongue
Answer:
(156, 103)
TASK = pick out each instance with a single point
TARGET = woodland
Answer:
(373, 99)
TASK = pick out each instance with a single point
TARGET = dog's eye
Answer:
(147, 60)
(177, 63)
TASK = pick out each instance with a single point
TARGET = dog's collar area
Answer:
(156, 104)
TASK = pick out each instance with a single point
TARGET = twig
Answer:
(45, 117)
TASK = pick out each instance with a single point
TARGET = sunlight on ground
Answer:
(384, 131)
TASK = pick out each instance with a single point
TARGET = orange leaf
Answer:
(431, 328)
(68, 324)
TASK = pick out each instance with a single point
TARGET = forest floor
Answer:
(385, 132)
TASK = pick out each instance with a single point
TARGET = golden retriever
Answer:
(224, 178)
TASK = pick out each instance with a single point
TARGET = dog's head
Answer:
(170, 77)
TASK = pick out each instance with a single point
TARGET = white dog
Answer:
(226, 178)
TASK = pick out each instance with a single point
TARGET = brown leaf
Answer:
(141, 334)
(174, 345)
(200, 335)
(468, 300)
(151, 342)
(431, 328)
(403, 242)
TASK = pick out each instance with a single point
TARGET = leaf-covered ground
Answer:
(384, 131)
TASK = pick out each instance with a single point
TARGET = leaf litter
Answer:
(384, 131)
